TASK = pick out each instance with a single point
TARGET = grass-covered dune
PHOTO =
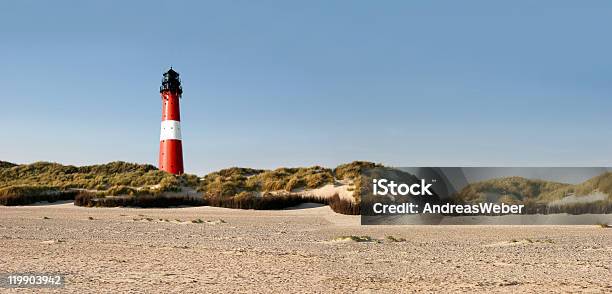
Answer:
(601, 183)
(21, 195)
(6, 164)
(241, 181)
(46, 181)
(233, 181)
(91, 177)
(130, 184)
(511, 189)
(517, 189)
(255, 189)
(591, 196)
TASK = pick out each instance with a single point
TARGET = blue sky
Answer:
(294, 83)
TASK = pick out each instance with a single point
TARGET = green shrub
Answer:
(145, 201)
(294, 183)
(230, 182)
(23, 195)
(248, 200)
(170, 184)
(120, 190)
(142, 185)
(355, 238)
(394, 239)
(537, 195)
(99, 177)
(115, 178)
(513, 189)
(353, 170)
(601, 183)
(6, 164)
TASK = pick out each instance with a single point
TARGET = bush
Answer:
(344, 206)
(513, 189)
(144, 201)
(121, 190)
(230, 182)
(169, 184)
(99, 177)
(353, 170)
(250, 201)
(23, 195)
(142, 185)
(270, 202)
(355, 238)
(601, 183)
(243, 200)
(6, 164)
(538, 196)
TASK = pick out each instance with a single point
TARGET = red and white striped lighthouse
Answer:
(170, 146)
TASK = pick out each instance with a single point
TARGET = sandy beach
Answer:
(206, 249)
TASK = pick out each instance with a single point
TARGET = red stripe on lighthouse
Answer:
(170, 107)
(170, 145)
(171, 156)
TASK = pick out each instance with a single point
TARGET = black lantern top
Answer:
(171, 82)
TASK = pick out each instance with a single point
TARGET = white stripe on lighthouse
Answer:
(170, 130)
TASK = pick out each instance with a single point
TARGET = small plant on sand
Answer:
(531, 241)
(394, 239)
(197, 221)
(354, 238)
(90, 218)
(604, 225)
(215, 222)
(44, 217)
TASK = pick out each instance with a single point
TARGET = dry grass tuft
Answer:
(394, 239)
(354, 238)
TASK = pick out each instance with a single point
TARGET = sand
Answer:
(297, 250)
(344, 189)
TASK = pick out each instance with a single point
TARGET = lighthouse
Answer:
(170, 146)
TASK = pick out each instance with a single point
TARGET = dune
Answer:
(342, 188)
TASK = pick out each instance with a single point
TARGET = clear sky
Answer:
(294, 83)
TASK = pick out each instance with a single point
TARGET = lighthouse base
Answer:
(171, 156)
